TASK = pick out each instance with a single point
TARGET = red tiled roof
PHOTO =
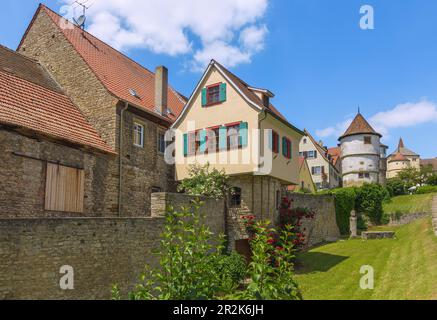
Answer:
(398, 157)
(359, 126)
(117, 72)
(335, 154)
(36, 106)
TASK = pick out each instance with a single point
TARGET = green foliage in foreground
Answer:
(405, 268)
(427, 189)
(193, 265)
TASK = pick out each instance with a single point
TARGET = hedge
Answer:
(344, 204)
(426, 189)
(369, 199)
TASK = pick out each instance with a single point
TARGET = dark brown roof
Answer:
(30, 99)
(359, 126)
(335, 154)
(118, 73)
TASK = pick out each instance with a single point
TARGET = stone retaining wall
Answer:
(102, 251)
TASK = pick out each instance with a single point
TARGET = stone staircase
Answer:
(434, 214)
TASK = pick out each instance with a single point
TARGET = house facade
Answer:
(128, 106)
(361, 154)
(306, 183)
(402, 158)
(324, 166)
(234, 127)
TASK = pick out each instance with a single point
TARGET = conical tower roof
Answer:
(359, 126)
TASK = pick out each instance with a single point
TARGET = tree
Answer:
(396, 187)
(432, 180)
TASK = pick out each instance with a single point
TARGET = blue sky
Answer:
(311, 53)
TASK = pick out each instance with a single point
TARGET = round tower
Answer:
(360, 153)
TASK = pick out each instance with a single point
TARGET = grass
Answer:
(417, 203)
(405, 267)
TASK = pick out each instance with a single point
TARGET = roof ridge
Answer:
(19, 54)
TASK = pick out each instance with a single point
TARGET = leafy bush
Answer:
(369, 201)
(271, 271)
(232, 269)
(203, 181)
(186, 255)
(396, 187)
(344, 204)
(427, 189)
(432, 180)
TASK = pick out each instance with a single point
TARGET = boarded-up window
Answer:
(64, 189)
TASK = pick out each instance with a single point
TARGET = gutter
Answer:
(120, 157)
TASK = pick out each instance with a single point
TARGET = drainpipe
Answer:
(120, 157)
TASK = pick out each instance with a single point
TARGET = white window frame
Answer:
(136, 132)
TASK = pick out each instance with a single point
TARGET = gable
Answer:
(235, 108)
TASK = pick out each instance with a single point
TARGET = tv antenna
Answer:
(80, 21)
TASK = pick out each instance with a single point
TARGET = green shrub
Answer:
(271, 271)
(232, 269)
(369, 199)
(344, 204)
(432, 180)
(426, 189)
(396, 187)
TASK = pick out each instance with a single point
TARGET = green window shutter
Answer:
(284, 146)
(202, 138)
(222, 92)
(185, 145)
(204, 98)
(244, 134)
(223, 138)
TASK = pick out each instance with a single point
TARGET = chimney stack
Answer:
(161, 90)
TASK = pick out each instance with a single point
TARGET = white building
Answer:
(323, 165)
(362, 154)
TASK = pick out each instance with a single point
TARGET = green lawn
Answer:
(405, 267)
(416, 203)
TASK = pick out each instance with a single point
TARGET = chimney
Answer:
(161, 90)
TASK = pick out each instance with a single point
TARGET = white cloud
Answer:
(226, 30)
(402, 116)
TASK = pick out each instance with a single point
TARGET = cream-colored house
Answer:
(323, 166)
(306, 182)
(402, 158)
(234, 127)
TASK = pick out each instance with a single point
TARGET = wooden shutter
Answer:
(244, 134)
(64, 189)
(204, 97)
(185, 145)
(202, 138)
(222, 92)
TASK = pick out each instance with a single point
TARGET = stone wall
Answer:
(407, 218)
(102, 251)
(323, 228)
(23, 165)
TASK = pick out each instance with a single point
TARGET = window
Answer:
(286, 148)
(305, 141)
(235, 197)
(363, 175)
(212, 137)
(213, 94)
(64, 189)
(312, 155)
(275, 142)
(161, 142)
(233, 137)
(316, 171)
(367, 140)
(156, 190)
(192, 143)
(138, 135)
